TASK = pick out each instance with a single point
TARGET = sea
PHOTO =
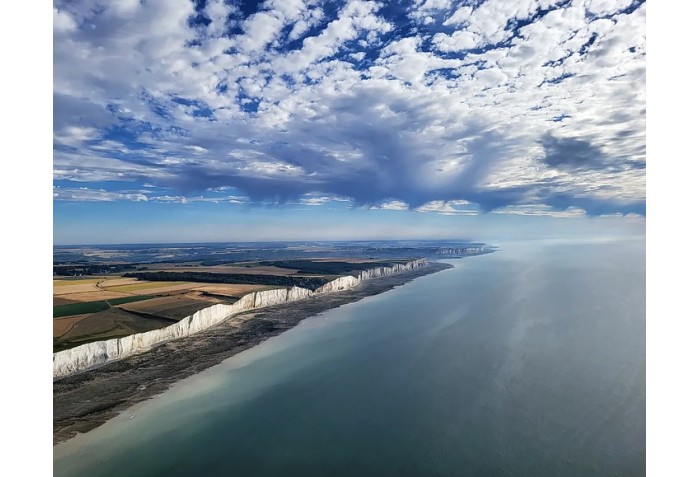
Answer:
(529, 361)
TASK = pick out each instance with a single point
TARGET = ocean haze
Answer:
(528, 361)
(119, 223)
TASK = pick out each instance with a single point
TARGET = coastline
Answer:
(85, 401)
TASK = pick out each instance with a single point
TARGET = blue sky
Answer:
(179, 120)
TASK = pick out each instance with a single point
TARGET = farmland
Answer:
(111, 323)
(174, 307)
(98, 308)
(230, 290)
(140, 296)
(327, 267)
(154, 286)
(248, 268)
(94, 306)
(208, 277)
(69, 289)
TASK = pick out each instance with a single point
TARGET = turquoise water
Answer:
(528, 361)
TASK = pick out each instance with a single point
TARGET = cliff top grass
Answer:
(94, 306)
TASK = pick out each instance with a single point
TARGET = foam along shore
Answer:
(91, 355)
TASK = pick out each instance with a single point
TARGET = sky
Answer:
(290, 120)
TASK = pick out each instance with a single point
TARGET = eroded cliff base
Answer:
(87, 400)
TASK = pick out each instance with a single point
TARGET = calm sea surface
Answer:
(526, 362)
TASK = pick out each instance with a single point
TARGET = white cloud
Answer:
(426, 120)
(125, 8)
(460, 16)
(457, 41)
(541, 210)
(391, 205)
(87, 194)
(63, 21)
(262, 29)
(84, 194)
(315, 200)
(448, 207)
(75, 135)
(606, 7)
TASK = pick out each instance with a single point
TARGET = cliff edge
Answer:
(90, 355)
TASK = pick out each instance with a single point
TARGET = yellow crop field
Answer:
(141, 286)
(61, 326)
(232, 290)
(113, 282)
(87, 281)
(86, 285)
(94, 295)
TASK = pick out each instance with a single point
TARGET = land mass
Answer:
(86, 400)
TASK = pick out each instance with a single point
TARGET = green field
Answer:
(94, 306)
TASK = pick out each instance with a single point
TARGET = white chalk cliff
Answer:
(93, 354)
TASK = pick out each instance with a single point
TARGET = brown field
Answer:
(175, 307)
(233, 290)
(61, 282)
(113, 282)
(178, 300)
(92, 296)
(153, 287)
(262, 270)
(230, 269)
(61, 326)
(65, 287)
(199, 296)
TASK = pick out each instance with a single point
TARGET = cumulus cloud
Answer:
(500, 104)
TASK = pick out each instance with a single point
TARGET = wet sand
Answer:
(87, 400)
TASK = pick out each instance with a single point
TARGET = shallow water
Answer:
(528, 361)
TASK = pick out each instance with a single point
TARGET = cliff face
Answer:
(85, 356)
(398, 268)
(280, 295)
(99, 352)
(342, 283)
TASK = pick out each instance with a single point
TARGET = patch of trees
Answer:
(326, 268)
(237, 278)
(93, 269)
(212, 263)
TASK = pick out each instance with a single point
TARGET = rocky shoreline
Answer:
(87, 400)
